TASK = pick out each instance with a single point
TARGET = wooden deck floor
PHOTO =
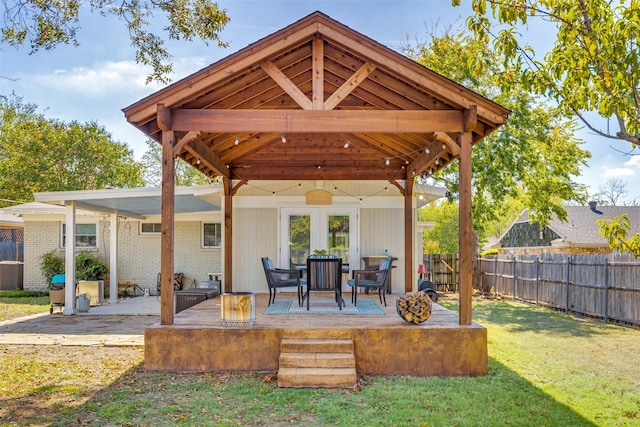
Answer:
(384, 344)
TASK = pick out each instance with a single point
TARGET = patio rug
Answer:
(323, 306)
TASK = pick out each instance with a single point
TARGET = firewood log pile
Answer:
(414, 307)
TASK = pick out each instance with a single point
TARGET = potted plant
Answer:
(50, 265)
(90, 272)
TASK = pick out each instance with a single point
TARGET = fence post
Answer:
(495, 276)
(566, 305)
(537, 278)
(514, 277)
(606, 290)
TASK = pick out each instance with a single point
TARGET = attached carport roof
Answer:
(136, 202)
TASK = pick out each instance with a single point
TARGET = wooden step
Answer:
(317, 377)
(317, 360)
(317, 333)
(314, 345)
(310, 361)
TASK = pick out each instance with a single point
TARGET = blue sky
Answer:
(94, 81)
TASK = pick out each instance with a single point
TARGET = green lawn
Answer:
(546, 369)
(22, 303)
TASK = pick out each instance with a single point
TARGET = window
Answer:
(86, 235)
(150, 228)
(211, 235)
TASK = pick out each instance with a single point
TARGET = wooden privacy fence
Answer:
(606, 287)
(11, 244)
(442, 270)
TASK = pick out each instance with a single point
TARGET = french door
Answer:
(305, 229)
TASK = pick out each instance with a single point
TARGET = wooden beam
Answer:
(470, 118)
(167, 228)
(465, 236)
(408, 235)
(313, 121)
(451, 143)
(348, 86)
(210, 159)
(398, 185)
(425, 159)
(163, 117)
(190, 136)
(317, 48)
(287, 85)
(307, 173)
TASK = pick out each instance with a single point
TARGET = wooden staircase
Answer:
(317, 358)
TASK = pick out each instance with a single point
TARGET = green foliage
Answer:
(50, 265)
(39, 154)
(616, 230)
(185, 175)
(532, 159)
(593, 65)
(89, 266)
(46, 24)
(443, 238)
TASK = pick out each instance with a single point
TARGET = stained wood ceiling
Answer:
(316, 100)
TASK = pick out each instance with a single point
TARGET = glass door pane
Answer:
(299, 239)
(338, 236)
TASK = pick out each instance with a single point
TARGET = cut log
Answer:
(414, 307)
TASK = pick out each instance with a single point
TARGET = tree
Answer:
(47, 24)
(593, 65)
(39, 154)
(532, 158)
(443, 237)
(616, 230)
(612, 192)
(185, 175)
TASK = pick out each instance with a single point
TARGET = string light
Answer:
(237, 141)
(347, 143)
(426, 150)
(198, 162)
(283, 139)
(387, 161)
(437, 162)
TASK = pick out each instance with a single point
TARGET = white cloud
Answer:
(634, 161)
(618, 172)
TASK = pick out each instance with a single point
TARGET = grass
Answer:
(546, 369)
(22, 303)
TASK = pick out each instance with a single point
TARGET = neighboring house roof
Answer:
(8, 219)
(580, 229)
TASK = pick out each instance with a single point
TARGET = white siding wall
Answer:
(382, 229)
(255, 235)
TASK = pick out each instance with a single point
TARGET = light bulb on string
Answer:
(237, 141)
(387, 161)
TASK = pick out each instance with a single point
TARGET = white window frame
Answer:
(202, 225)
(63, 227)
(147, 233)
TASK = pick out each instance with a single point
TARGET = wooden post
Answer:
(228, 235)
(408, 235)
(167, 241)
(466, 236)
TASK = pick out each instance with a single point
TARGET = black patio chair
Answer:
(278, 278)
(371, 279)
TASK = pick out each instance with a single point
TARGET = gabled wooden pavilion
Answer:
(317, 101)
